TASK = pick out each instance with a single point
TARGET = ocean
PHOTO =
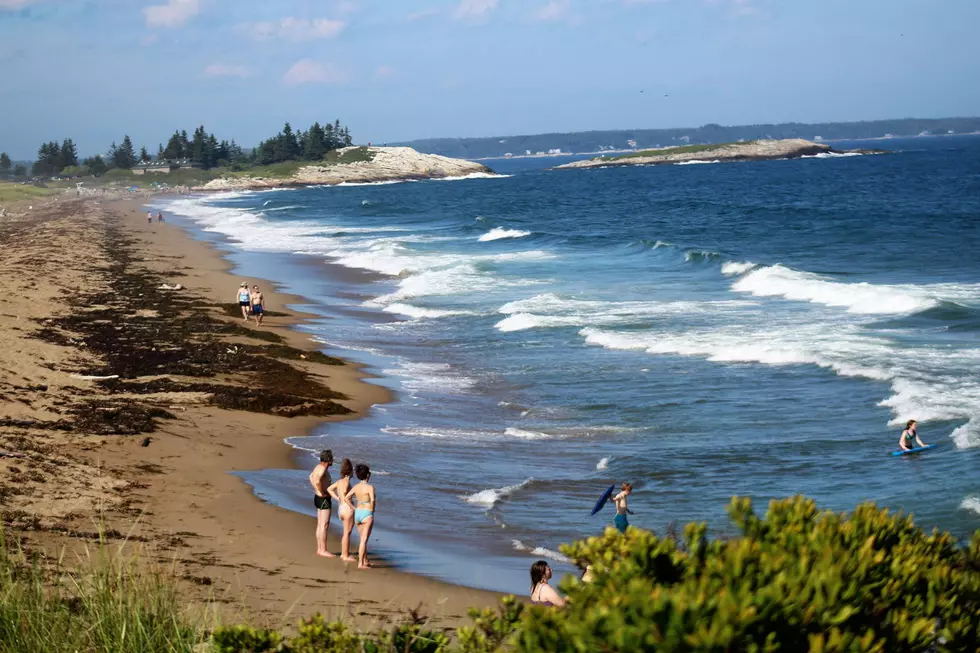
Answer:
(761, 329)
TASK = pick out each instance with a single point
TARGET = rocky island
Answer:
(761, 150)
(350, 165)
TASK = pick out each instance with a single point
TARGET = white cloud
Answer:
(554, 10)
(227, 70)
(308, 71)
(295, 29)
(14, 5)
(173, 14)
(475, 10)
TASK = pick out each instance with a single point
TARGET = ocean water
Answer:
(759, 329)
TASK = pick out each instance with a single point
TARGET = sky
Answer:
(395, 70)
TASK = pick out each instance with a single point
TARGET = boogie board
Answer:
(600, 504)
(916, 450)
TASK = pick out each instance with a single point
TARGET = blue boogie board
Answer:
(916, 450)
(600, 504)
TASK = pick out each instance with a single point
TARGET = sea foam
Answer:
(489, 498)
(499, 233)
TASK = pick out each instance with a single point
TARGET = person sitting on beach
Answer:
(364, 513)
(345, 509)
(258, 304)
(320, 480)
(541, 592)
(244, 299)
(620, 520)
(910, 434)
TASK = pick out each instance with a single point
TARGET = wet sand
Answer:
(147, 456)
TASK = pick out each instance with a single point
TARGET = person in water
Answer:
(620, 520)
(541, 592)
(244, 299)
(909, 436)
(320, 480)
(258, 304)
(364, 513)
(345, 509)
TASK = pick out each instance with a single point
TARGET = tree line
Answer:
(200, 148)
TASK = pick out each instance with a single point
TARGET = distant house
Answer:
(165, 166)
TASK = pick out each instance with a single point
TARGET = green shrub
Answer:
(244, 639)
(796, 580)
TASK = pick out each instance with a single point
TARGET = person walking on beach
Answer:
(345, 509)
(149, 217)
(258, 304)
(244, 299)
(620, 520)
(160, 216)
(910, 436)
(320, 480)
(541, 592)
(364, 512)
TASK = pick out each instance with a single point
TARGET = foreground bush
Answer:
(796, 580)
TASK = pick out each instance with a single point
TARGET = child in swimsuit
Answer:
(345, 511)
(364, 513)
(908, 435)
(541, 592)
(620, 520)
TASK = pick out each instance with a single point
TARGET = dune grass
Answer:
(107, 603)
(11, 192)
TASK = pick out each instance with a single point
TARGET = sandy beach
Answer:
(146, 456)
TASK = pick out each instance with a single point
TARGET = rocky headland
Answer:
(761, 150)
(353, 165)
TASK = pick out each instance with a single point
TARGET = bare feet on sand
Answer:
(349, 559)
(326, 554)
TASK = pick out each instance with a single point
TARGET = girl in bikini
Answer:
(364, 513)
(345, 511)
(910, 436)
(541, 592)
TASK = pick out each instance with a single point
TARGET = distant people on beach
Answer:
(363, 512)
(258, 305)
(160, 216)
(541, 592)
(244, 299)
(320, 480)
(149, 217)
(345, 509)
(620, 520)
(910, 436)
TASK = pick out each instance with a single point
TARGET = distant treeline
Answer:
(597, 141)
(200, 149)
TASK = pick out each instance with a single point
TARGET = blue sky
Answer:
(403, 69)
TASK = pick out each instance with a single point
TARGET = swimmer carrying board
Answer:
(916, 450)
(603, 499)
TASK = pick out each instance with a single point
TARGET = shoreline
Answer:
(231, 545)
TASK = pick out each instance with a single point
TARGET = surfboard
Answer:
(603, 499)
(916, 450)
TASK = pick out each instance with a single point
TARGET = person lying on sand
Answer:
(541, 592)
(345, 509)
(258, 304)
(364, 513)
(910, 434)
(244, 299)
(320, 480)
(620, 520)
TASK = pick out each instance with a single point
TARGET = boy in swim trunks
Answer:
(620, 520)
(364, 514)
(320, 480)
(258, 304)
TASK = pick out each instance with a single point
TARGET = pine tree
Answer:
(69, 155)
(160, 156)
(5, 165)
(144, 155)
(20, 170)
(125, 156)
(290, 146)
(316, 144)
(174, 149)
(96, 165)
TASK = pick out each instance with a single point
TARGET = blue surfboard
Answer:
(603, 499)
(916, 450)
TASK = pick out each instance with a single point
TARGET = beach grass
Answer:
(12, 192)
(668, 151)
(287, 169)
(108, 602)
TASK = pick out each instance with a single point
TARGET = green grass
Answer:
(668, 151)
(13, 192)
(356, 155)
(287, 169)
(108, 604)
(188, 177)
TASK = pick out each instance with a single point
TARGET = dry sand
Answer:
(78, 281)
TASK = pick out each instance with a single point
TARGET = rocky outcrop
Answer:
(369, 164)
(761, 150)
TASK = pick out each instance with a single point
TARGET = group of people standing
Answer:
(251, 302)
(344, 492)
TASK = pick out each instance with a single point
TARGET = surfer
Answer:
(908, 435)
(620, 520)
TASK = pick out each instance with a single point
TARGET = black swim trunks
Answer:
(245, 303)
(321, 503)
